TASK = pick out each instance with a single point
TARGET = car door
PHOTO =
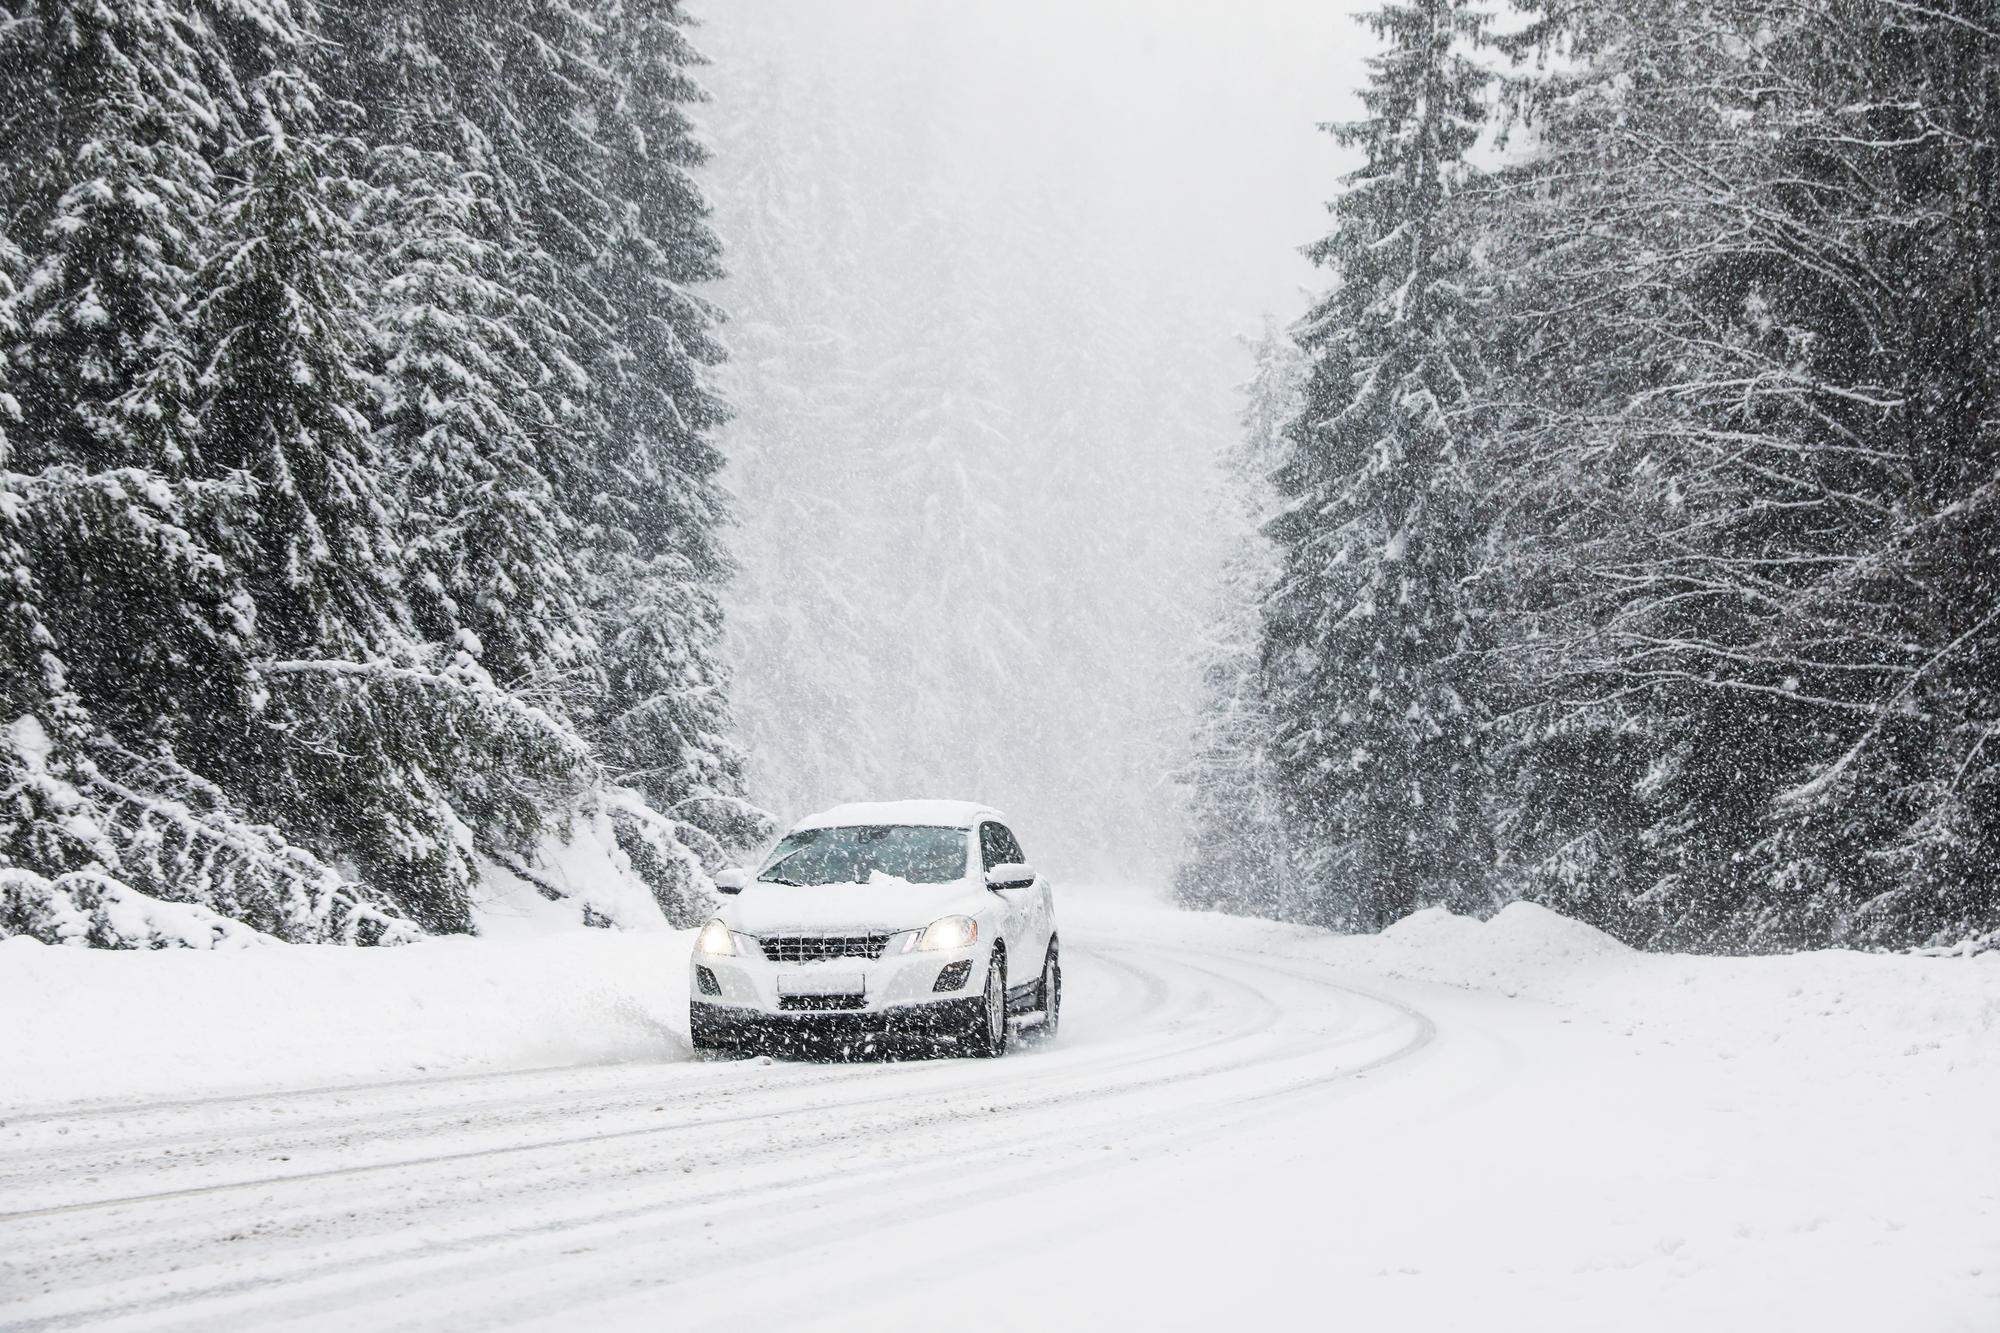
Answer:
(1028, 916)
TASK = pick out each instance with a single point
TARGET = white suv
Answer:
(918, 917)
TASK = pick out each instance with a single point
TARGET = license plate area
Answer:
(822, 983)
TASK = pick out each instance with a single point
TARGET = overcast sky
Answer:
(1183, 131)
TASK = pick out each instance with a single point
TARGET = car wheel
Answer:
(701, 1039)
(988, 1038)
(1051, 992)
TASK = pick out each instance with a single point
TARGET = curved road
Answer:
(631, 1193)
(1233, 1131)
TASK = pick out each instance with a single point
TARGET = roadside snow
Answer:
(1937, 1011)
(105, 1024)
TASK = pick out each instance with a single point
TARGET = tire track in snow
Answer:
(291, 1139)
(47, 1140)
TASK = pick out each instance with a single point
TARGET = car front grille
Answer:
(820, 948)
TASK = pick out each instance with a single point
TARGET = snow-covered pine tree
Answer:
(371, 755)
(1371, 641)
(665, 726)
(1235, 859)
(1887, 828)
(1932, 86)
(108, 188)
(44, 724)
(488, 560)
(277, 324)
(108, 183)
(532, 81)
(1752, 291)
(1635, 807)
(497, 104)
(302, 461)
(122, 631)
(311, 532)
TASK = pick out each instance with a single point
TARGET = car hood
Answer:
(881, 904)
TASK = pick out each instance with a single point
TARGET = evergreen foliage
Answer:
(1757, 329)
(1236, 855)
(355, 432)
(1370, 647)
(1641, 552)
(665, 719)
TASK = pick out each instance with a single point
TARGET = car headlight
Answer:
(948, 932)
(716, 939)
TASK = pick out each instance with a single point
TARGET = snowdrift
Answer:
(538, 986)
(1945, 1009)
(101, 1024)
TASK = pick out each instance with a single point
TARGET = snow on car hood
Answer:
(883, 903)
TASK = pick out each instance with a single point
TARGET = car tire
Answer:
(699, 1039)
(987, 1037)
(1051, 993)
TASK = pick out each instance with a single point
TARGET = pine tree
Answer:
(107, 110)
(331, 461)
(281, 397)
(1748, 286)
(1371, 636)
(487, 561)
(532, 83)
(491, 585)
(313, 532)
(109, 187)
(45, 722)
(1236, 858)
(666, 722)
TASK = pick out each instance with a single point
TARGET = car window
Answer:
(998, 846)
(851, 855)
(989, 846)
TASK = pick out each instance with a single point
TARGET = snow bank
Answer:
(1939, 1009)
(1523, 940)
(88, 1023)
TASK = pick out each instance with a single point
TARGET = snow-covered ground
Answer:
(1510, 1125)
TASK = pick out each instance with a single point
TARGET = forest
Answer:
(1627, 510)
(409, 468)
(360, 515)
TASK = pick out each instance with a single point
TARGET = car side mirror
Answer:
(733, 880)
(1010, 875)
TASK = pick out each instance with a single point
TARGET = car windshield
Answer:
(851, 855)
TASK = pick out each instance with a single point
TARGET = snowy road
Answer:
(1222, 1130)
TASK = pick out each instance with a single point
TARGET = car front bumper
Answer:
(734, 1025)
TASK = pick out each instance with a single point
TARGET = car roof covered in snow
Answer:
(935, 814)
